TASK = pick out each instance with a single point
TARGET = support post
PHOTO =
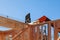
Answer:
(49, 31)
(55, 32)
(37, 33)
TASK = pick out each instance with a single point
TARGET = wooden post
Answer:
(49, 31)
(37, 33)
(42, 32)
(31, 32)
(0, 36)
(55, 32)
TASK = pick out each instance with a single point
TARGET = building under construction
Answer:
(41, 29)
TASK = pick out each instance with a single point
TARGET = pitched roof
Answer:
(44, 18)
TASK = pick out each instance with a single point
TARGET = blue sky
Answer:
(17, 9)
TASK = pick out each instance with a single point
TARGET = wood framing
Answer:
(23, 31)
